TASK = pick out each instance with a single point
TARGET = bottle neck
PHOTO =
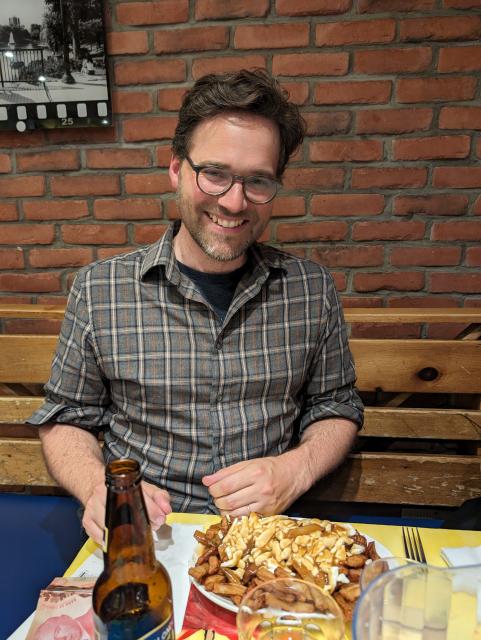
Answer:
(129, 535)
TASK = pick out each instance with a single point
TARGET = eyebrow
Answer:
(220, 165)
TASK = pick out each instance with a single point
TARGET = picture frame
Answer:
(53, 65)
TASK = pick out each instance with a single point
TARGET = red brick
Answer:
(397, 281)
(145, 183)
(389, 177)
(231, 64)
(435, 89)
(65, 160)
(460, 58)
(291, 206)
(47, 326)
(312, 7)
(44, 258)
(413, 59)
(425, 256)
(342, 256)
(82, 135)
(339, 92)
(392, 121)
(52, 299)
(309, 231)
(426, 301)
(28, 234)
(361, 301)
(333, 34)
(385, 331)
(143, 13)
(149, 233)
(347, 204)
(131, 102)
(120, 158)
(85, 185)
(55, 209)
(127, 42)
(150, 71)
(191, 39)
(345, 150)
(163, 154)
(473, 256)
(127, 209)
(110, 252)
(313, 178)
(17, 187)
(462, 4)
(457, 177)
(326, 123)
(477, 206)
(310, 64)
(5, 163)
(170, 99)
(298, 91)
(456, 230)
(445, 204)
(388, 230)
(271, 36)
(94, 233)
(149, 128)
(431, 147)
(380, 6)
(13, 139)
(340, 280)
(170, 208)
(8, 211)
(440, 28)
(32, 282)
(460, 282)
(12, 258)
(472, 302)
(460, 118)
(215, 9)
(15, 299)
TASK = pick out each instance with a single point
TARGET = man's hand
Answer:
(157, 502)
(266, 485)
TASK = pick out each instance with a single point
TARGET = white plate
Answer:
(225, 603)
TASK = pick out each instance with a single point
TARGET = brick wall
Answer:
(385, 190)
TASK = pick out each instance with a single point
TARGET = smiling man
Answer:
(219, 363)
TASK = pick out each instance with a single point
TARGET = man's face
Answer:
(219, 229)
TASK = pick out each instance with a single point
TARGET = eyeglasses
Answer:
(215, 181)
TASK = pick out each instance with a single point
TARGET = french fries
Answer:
(238, 555)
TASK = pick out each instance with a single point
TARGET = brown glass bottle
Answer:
(132, 597)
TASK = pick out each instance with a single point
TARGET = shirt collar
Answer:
(162, 253)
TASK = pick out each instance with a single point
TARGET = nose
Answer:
(234, 200)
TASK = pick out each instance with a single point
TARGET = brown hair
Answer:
(252, 91)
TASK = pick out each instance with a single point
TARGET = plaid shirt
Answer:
(143, 357)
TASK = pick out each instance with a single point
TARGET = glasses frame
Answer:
(197, 168)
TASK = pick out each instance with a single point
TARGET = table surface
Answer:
(389, 536)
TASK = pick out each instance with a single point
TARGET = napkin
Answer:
(461, 556)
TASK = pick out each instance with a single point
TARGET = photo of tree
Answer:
(51, 52)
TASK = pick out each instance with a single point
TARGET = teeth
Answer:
(229, 224)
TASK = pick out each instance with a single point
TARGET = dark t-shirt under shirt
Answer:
(217, 288)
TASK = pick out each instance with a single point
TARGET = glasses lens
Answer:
(214, 181)
(259, 189)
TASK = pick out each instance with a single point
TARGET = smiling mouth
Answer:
(226, 224)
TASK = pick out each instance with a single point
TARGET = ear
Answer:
(174, 171)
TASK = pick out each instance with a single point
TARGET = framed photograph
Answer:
(53, 67)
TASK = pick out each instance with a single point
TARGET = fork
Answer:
(413, 547)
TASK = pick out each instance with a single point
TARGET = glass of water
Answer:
(289, 609)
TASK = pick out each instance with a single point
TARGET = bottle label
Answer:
(133, 630)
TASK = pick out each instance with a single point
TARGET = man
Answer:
(206, 355)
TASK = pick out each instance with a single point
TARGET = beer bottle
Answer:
(132, 597)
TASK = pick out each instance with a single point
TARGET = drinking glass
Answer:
(289, 609)
(375, 568)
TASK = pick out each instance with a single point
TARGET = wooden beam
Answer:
(437, 424)
(17, 409)
(26, 358)
(402, 479)
(39, 311)
(22, 463)
(405, 316)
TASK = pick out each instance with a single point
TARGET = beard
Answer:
(220, 249)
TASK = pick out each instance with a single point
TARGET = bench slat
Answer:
(402, 479)
(22, 463)
(405, 316)
(18, 409)
(392, 365)
(26, 358)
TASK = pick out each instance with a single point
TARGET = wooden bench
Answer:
(421, 442)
